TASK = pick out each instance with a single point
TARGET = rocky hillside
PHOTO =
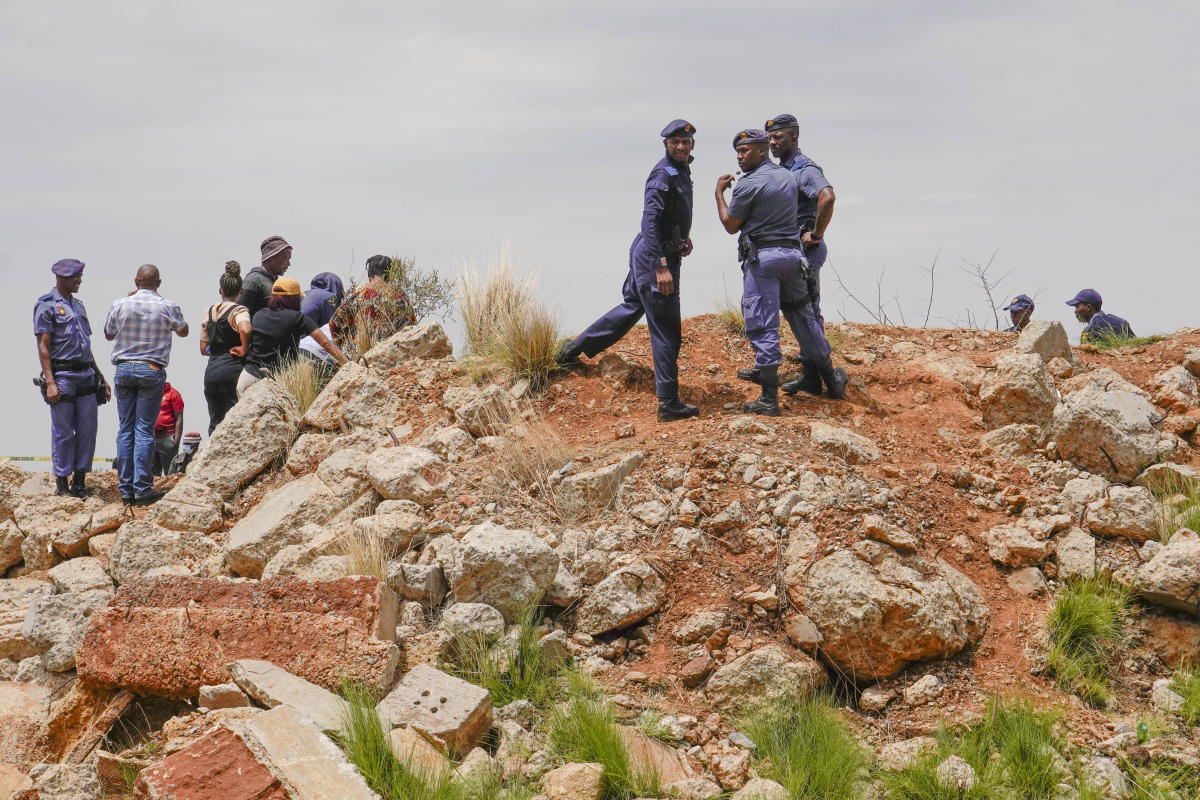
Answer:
(503, 570)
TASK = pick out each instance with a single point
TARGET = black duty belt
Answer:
(764, 243)
(69, 365)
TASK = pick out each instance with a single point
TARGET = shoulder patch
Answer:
(671, 170)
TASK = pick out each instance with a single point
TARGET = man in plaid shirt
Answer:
(140, 327)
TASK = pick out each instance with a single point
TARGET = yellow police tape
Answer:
(42, 458)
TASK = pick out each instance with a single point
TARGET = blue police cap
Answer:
(67, 267)
(751, 136)
(1020, 303)
(781, 121)
(1089, 296)
(678, 127)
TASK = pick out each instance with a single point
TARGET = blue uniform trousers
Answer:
(73, 424)
(816, 259)
(771, 282)
(139, 390)
(662, 319)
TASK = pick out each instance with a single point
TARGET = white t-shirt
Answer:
(310, 345)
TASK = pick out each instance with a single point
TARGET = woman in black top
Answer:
(224, 339)
(278, 329)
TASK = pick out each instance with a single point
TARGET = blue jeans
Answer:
(139, 390)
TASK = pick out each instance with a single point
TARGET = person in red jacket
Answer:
(167, 430)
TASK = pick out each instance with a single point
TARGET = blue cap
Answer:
(781, 121)
(67, 268)
(678, 127)
(1089, 296)
(1020, 303)
(751, 136)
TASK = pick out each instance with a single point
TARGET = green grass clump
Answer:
(1186, 684)
(1161, 780)
(584, 729)
(1179, 504)
(649, 722)
(517, 672)
(1087, 634)
(1014, 753)
(1112, 340)
(806, 748)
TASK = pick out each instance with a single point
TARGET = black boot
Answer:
(568, 353)
(809, 380)
(835, 381)
(61, 487)
(752, 375)
(674, 409)
(78, 486)
(768, 403)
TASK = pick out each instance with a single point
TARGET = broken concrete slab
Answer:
(578, 494)
(216, 766)
(452, 711)
(169, 636)
(272, 686)
(280, 519)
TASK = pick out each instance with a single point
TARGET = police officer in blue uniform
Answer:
(763, 212)
(815, 203)
(652, 285)
(73, 385)
(1020, 311)
(1087, 309)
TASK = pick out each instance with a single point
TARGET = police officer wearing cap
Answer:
(1087, 304)
(763, 212)
(652, 285)
(1020, 310)
(73, 385)
(814, 211)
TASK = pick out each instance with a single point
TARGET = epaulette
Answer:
(46, 297)
(672, 171)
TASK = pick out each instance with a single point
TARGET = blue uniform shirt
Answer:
(810, 180)
(1104, 323)
(67, 323)
(765, 200)
(667, 209)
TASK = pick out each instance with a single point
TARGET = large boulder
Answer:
(578, 494)
(1171, 578)
(1015, 545)
(280, 519)
(1046, 338)
(1127, 511)
(45, 521)
(254, 433)
(1019, 390)
(488, 413)
(189, 506)
(761, 676)
(626, 596)
(878, 610)
(407, 473)
(357, 397)
(1012, 441)
(17, 596)
(1176, 388)
(425, 340)
(11, 540)
(1075, 553)
(508, 569)
(55, 624)
(142, 547)
(1110, 433)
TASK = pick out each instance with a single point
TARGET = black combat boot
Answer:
(752, 375)
(768, 403)
(568, 354)
(673, 409)
(835, 381)
(78, 486)
(61, 487)
(809, 380)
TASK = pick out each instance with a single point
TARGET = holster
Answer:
(746, 249)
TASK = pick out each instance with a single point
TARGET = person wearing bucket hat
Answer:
(1087, 303)
(652, 284)
(276, 334)
(1020, 310)
(814, 211)
(256, 287)
(763, 212)
(72, 384)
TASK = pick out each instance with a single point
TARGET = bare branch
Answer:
(987, 283)
(853, 296)
(929, 307)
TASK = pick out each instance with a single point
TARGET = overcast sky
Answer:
(1060, 136)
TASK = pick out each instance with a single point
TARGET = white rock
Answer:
(141, 547)
(489, 413)
(1046, 338)
(284, 517)
(626, 596)
(763, 675)
(1171, 577)
(853, 447)
(578, 494)
(1075, 552)
(1127, 511)
(508, 569)
(80, 575)
(956, 773)
(1110, 433)
(407, 473)
(926, 689)
(54, 625)
(476, 622)
(1019, 390)
(1015, 545)
(272, 686)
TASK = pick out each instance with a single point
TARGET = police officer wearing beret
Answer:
(652, 285)
(72, 382)
(1087, 304)
(763, 211)
(815, 201)
(1020, 310)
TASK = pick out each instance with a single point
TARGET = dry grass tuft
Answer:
(730, 315)
(302, 378)
(365, 552)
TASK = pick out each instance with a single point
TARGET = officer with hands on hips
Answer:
(74, 386)
(814, 211)
(652, 285)
(763, 211)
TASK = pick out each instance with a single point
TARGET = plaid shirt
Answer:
(141, 324)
